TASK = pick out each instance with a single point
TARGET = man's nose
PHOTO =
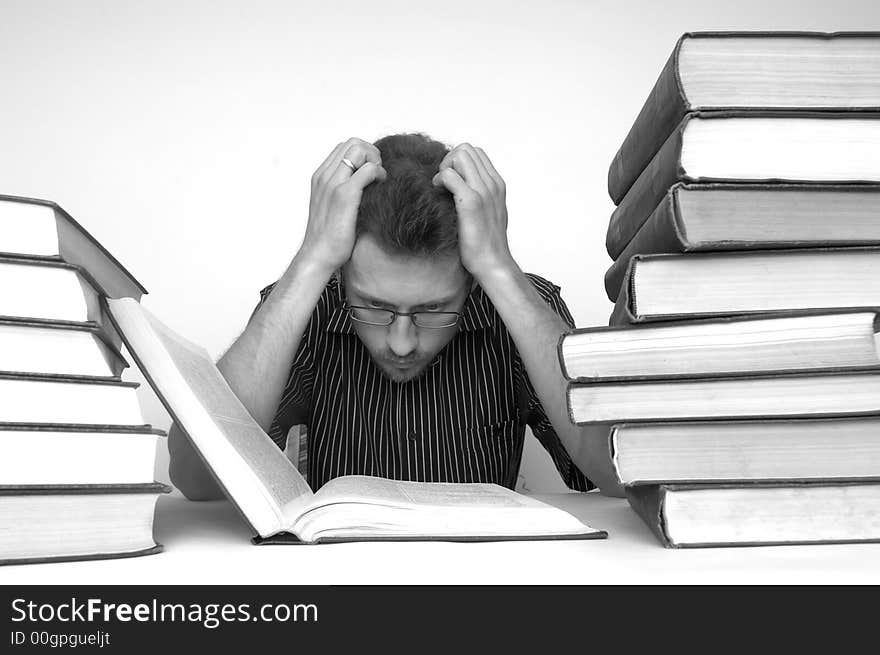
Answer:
(402, 336)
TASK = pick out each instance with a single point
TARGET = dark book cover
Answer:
(290, 539)
(71, 379)
(82, 428)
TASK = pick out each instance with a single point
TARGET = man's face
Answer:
(374, 278)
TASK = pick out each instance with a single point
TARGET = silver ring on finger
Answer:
(348, 162)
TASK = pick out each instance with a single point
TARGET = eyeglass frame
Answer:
(394, 314)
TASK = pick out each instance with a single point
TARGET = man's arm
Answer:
(535, 328)
(257, 364)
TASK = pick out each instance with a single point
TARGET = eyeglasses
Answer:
(385, 317)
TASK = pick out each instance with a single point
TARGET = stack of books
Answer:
(76, 455)
(739, 382)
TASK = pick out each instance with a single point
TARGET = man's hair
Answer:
(406, 213)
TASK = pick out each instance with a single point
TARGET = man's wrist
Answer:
(498, 273)
(306, 265)
(497, 278)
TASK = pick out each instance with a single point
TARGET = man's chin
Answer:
(402, 374)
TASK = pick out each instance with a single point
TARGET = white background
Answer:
(183, 134)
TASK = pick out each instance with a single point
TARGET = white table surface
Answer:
(208, 543)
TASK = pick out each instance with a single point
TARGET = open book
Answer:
(274, 497)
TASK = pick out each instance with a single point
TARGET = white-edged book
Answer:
(273, 496)
(40, 229)
(58, 348)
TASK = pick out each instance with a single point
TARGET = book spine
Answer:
(646, 193)
(561, 356)
(647, 502)
(623, 315)
(660, 233)
(662, 111)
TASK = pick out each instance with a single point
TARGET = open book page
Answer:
(361, 507)
(402, 493)
(253, 471)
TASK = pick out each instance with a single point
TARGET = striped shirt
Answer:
(463, 420)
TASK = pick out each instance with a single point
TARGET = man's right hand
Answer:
(335, 198)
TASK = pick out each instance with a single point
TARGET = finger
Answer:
(349, 193)
(351, 148)
(361, 152)
(450, 179)
(490, 168)
(446, 161)
(368, 173)
(358, 154)
(463, 164)
(480, 167)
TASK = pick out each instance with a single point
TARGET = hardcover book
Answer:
(711, 217)
(71, 454)
(722, 346)
(747, 514)
(30, 398)
(40, 229)
(817, 394)
(750, 147)
(760, 70)
(666, 287)
(48, 291)
(58, 348)
(725, 451)
(77, 522)
(273, 496)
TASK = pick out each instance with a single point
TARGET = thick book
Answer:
(725, 451)
(723, 346)
(710, 217)
(276, 500)
(40, 229)
(816, 394)
(58, 348)
(759, 514)
(77, 522)
(53, 454)
(768, 70)
(751, 147)
(31, 398)
(48, 291)
(668, 287)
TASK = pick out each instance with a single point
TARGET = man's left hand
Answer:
(480, 201)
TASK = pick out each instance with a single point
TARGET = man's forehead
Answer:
(403, 279)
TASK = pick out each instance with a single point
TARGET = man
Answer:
(404, 334)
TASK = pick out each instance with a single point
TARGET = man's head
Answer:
(406, 256)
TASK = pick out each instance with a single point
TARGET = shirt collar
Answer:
(478, 312)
